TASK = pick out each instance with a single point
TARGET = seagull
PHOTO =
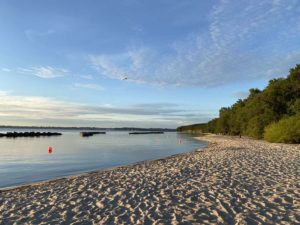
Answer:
(125, 78)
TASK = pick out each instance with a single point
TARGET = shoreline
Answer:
(232, 180)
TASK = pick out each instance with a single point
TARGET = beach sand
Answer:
(232, 181)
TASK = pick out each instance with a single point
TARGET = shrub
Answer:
(287, 130)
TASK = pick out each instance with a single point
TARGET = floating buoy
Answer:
(50, 149)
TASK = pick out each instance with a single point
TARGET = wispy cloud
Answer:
(42, 110)
(86, 76)
(32, 34)
(47, 72)
(6, 70)
(89, 86)
(4, 93)
(244, 40)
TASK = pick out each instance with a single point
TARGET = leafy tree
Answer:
(253, 115)
(287, 130)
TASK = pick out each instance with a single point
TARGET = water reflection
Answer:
(24, 160)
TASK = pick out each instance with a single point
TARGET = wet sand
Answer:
(232, 181)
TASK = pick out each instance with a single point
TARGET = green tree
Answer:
(253, 115)
(287, 130)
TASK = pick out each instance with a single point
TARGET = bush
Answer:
(287, 130)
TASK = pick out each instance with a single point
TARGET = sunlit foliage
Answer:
(273, 106)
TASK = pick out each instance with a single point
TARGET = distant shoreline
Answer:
(90, 128)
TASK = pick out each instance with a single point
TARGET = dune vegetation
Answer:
(272, 113)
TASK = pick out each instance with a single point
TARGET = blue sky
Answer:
(63, 62)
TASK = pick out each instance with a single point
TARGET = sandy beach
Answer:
(232, 181)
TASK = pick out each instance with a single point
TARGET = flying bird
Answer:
(125, 78)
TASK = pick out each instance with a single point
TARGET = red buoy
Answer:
(50, 149)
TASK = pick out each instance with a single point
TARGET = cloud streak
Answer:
(89, 86)
(32, 35)
(41, 110)
(236, 46)
(86, 76)
(6, 70)
(47, 72)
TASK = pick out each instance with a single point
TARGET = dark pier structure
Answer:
(28, 134)
(90, 133)
(147, 132)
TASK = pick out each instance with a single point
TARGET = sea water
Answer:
(25, 159)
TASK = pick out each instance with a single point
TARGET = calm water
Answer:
(26, 160)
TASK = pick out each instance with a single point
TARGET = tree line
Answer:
(272, 113)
